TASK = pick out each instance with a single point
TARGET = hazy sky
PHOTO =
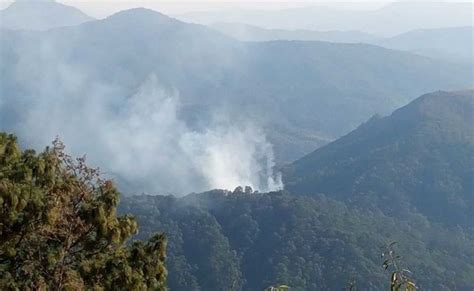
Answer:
(103, 8)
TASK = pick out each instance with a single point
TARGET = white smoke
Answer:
(144, 145)
(161, 150)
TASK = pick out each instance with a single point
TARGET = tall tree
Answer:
(59, 228)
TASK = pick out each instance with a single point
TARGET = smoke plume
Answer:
(142, 143)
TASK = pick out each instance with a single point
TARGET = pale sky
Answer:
(104, 8)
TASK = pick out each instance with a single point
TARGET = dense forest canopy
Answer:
(420, 159)
(404, 178)
(221, 240)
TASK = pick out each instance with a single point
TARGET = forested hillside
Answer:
(405, 178)
(420, 158)
(236, 241)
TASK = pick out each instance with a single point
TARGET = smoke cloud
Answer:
(140, 140)
(163, 153)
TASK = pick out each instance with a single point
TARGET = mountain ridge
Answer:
(246, 32)
(391, 19)
(418, 157)
(451, 43)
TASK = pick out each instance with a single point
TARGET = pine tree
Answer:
(59, 228)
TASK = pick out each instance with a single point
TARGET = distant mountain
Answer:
(456, 43)
(247, 32)
(392, 19)
(40, 15)
(302, 93)
(453, 44)
(420, 158)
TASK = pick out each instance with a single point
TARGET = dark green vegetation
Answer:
(404, 178)
(303, 93)
(224, 241)
(59, 229)
(419, 159)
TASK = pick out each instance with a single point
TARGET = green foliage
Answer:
(400, 279)
(202, 258)
(59, 228)
(308, 243)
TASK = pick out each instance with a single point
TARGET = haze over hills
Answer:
(221, 91)
(454, 44)
(392, 19)
(40, 15)
(420, 158)
(247, 32)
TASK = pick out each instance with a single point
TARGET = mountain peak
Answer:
(140, 16)
(140, 12)
(40, 15)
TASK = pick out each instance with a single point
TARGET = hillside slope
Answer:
(419, 158)
(236, 241)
